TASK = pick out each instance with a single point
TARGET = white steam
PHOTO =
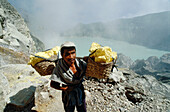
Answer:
(48, 17)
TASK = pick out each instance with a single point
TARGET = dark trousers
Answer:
(81, 108)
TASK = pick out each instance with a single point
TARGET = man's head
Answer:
(68, 52)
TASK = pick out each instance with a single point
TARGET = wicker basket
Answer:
(44, 67)
(98, 70)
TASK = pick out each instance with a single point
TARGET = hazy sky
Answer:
(61, 14)
(48, 17)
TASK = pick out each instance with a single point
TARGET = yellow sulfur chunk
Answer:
(102, 54)
(45, 54)
(33, 60)
(56, 50)
(101, 59)
(99, 52)
(94, 46)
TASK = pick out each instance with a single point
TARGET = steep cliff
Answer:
(16, 42)
(14, 31)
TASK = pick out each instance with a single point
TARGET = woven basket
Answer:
(98, 70)
(44, 67)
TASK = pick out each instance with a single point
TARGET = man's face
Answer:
(69, 56)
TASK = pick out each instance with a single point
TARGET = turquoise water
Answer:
(83, 44)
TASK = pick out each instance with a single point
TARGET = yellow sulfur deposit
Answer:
(94, 46)
(45, 54)
(102, 54)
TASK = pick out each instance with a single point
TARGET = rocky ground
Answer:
(22, 89)
(126, 96)
(125, 91)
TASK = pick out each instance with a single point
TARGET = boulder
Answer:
(48, 99)
(116, 76)
(23, 80)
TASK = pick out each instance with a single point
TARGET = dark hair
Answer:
(63, 48)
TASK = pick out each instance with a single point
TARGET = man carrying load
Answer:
(68, 76)
(68, 72)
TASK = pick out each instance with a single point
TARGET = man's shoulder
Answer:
(81, 63)
(58, 60)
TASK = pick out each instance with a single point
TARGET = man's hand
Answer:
(56, 85)
(63, 88)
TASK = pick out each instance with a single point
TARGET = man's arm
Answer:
(56, 85)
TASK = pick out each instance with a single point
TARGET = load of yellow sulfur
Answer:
(102, 54)
(94, 46)
(45, 54)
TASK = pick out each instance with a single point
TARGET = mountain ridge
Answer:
(151, 30)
